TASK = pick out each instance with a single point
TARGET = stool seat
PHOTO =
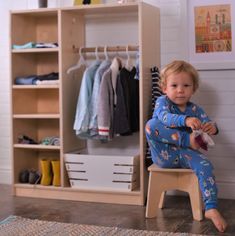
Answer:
(162, 180)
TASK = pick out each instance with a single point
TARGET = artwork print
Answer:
(213, 28)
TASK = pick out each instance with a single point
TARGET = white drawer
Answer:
(97, 171)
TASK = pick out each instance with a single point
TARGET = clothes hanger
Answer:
(106, 53)
(97, 54)
(128, 65)
(80, 62)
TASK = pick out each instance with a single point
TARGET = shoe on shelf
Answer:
(34, 176)
(23, 139)
(47, 174)
(52, 140)
(24, 176)
(56, 172)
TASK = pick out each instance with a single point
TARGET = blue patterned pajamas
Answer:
(170, 148)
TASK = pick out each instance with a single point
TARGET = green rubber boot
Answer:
(56, 172)
(46, 172)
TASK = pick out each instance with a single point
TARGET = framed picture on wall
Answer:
(211, 34)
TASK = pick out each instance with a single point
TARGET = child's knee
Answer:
(148, 129)
(151, 128)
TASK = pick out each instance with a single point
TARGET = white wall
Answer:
(216, 93)
(5, 163)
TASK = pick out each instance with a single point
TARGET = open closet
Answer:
(112, 170)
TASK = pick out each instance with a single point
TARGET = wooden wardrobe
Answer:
(49, 110)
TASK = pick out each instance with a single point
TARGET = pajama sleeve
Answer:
(163, 113)
(202, 116)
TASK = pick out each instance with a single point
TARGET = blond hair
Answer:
(176, 67)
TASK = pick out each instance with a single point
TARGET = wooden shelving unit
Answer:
(49, 110)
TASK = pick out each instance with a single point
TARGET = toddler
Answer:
(170, 135)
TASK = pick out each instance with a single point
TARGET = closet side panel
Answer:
(72, 36)
(149, 41)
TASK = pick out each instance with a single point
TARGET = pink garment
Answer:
(204, 140)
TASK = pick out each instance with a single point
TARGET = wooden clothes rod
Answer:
(109, 49)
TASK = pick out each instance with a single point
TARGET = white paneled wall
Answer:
(216, 93)
(5, 153)
(217, 96)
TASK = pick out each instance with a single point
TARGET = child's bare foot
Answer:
(217, 219)
(193, 143)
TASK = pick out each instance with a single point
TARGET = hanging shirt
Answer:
(81, 123)
(106, 99)
(130, 97)
(93, 124)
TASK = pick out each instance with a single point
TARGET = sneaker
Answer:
(24, 176)
(34, 176)
(23, 139)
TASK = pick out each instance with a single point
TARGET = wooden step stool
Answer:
(161, 180)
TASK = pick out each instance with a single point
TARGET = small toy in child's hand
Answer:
(203, 139)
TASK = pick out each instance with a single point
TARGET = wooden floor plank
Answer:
(175, 217)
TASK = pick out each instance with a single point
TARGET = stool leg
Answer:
(161, 202)
(195, 199)
(154, 195)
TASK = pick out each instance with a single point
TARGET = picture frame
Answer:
(211, 34)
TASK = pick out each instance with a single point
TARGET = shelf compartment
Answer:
(26, 159)
(37, 27)
(37, 129)
(27, 64)
(33, 101)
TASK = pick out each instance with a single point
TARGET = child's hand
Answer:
(193, 122)
(209, 128)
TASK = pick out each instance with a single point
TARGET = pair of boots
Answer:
(50, 172)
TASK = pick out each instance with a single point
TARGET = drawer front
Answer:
(84, 184)
(114, 172)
